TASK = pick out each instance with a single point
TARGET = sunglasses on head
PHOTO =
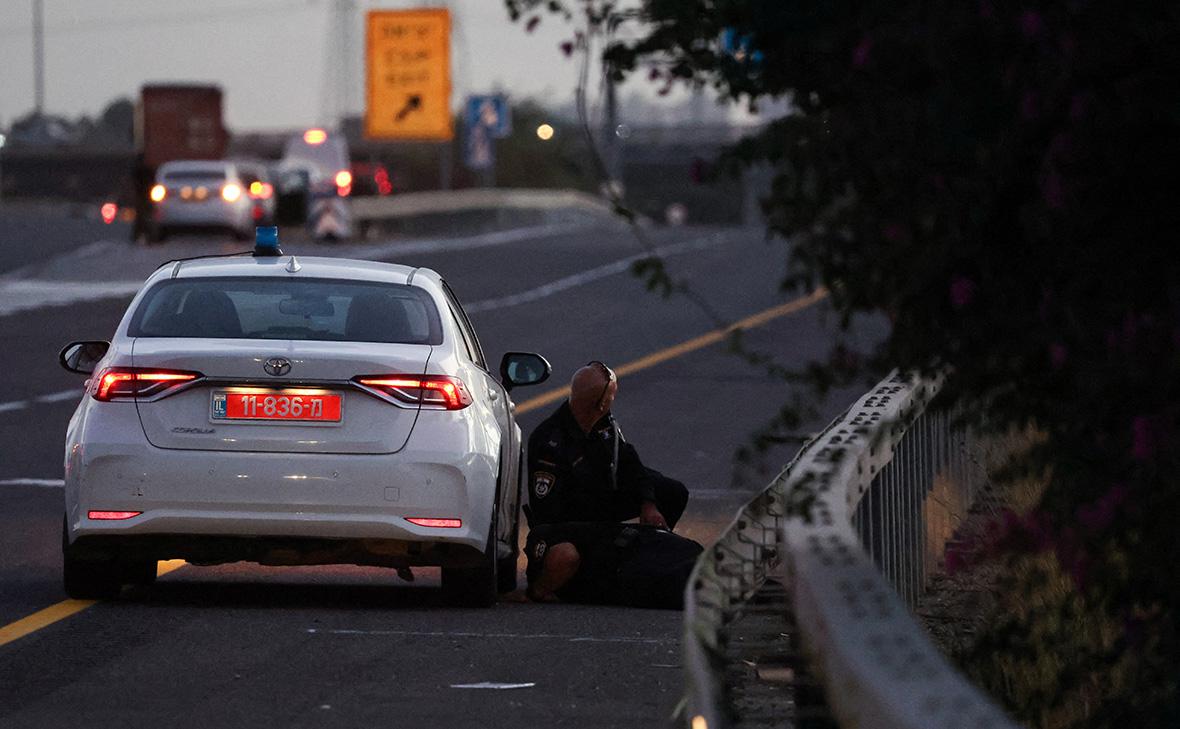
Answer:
(607, 372)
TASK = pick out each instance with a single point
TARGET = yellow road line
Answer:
(677, 350)
(63, 610)
(42, 618)
(66, 608)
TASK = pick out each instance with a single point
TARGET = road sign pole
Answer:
(446, 161)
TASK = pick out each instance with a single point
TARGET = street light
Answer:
(545, 132)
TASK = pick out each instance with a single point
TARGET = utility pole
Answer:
(610, 133)
(39, 56)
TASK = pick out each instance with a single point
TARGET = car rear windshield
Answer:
(331, 310)
(195, 175)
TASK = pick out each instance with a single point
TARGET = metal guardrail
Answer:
(847, 520)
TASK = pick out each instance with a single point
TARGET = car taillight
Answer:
(446, 523)
(158, 193)
(429, 390)
(120, 383)
(261, 190)
(231, 192)
(109, 211)
(343, 183)
(112, 515)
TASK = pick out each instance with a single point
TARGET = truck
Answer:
(173, 121)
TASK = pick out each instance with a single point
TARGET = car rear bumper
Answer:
(206, 549)
(249, 500)
(176, 214)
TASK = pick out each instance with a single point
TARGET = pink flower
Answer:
(860, 54)
(962, 291)
(1057, 355)
(1031, 23)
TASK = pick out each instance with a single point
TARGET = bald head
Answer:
(592, 390)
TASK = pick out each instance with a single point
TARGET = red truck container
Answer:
(178, 121)
(173, 121)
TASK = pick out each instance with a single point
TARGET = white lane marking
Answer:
(587, 276)
(509, 636)
(53, 483)
(60, 396)
(21, 294)
(490, 685)
(483, 240)
(24, 294)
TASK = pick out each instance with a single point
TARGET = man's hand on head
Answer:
(651, 516)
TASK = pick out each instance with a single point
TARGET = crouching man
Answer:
(609, 563)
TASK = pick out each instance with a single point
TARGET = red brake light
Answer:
(436, 523)
(118, 383)
(112, 515)
(109, 211)
(438, 390)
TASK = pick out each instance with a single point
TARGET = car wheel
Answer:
(139, 572)
(88, 579)
(474, 586)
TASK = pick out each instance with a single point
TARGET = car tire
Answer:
(88, 579)
(140, 572)
(506, 574)
(474, 586)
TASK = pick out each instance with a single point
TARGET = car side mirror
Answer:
(82, 357)
(518, 369)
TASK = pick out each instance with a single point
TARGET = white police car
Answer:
(293, 411)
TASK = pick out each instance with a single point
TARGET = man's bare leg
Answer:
(560, 565)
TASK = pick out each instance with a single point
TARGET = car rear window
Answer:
(195, 176)
(331, 310)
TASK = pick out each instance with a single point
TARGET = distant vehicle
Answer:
(173, 122)
(258, 186)
(319, 411)
(195, 195)
(178, 121)
(322, 158)
(370, 179)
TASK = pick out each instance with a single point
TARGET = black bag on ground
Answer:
(621, 564)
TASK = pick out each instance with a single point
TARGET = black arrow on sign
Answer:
(413, 102)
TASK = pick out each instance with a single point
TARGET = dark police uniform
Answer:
(576, 476)
(619, 564)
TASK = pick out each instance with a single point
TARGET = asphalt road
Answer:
(242, 645)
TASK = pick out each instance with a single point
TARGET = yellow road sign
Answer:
(408, 75)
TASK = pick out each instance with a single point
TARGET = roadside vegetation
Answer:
(998, 179)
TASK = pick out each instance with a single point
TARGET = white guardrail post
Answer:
(876, 663)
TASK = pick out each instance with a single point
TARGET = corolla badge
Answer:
(277, 366)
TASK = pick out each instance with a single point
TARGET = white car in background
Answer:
(283, 411)
(197, 195)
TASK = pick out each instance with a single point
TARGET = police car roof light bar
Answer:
(266, 242)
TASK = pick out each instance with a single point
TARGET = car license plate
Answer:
(282, 405)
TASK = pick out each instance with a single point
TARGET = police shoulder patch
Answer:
(542, 483)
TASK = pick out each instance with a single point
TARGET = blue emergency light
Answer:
(266, 241)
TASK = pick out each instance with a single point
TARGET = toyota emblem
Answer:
(277, 366)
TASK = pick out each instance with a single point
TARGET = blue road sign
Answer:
(490, 111)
